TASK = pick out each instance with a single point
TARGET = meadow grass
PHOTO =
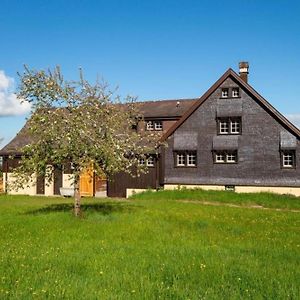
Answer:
(146, 249)
(268, 200)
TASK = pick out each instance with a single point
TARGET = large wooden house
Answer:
(230, 138)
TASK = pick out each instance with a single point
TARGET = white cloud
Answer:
(295, 119)
(10, 105)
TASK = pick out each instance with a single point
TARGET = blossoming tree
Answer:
(81, 123)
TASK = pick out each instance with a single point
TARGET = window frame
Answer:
(185, 154)
(229, 121)
(225, 154)
(150, 158)
(238, 92)
(293, 155)
(152, 125)
(149, 125)
(225, 90)
(158, 128)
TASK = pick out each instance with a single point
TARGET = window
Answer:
(186, 159)
(227, 157)
(229, 125)
(141, 161)
(235, 92)
(149, 125)
(224, 127)
(154, 125)
(158, 125)
(180, 159)
(191, 159)
(219, 157)
(225, 93)
(235, 126)
(288, 159)
(150, 161)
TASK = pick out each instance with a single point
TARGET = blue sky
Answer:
(153, 49)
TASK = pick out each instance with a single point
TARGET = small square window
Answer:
(141, 161)
(235, 92)
(225, 93)
(149, 125)
(288, 159)
(150, 161)
(220, 157)
(231, 157)
(158, 125)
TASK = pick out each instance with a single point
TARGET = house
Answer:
(229, 138)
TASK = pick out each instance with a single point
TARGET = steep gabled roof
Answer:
(263, 102)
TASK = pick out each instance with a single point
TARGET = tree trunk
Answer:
(77, 197)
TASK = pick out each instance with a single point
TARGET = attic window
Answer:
(149, 125)
(154, 125)
(235, 92)
(225, 93)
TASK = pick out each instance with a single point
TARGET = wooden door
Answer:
(87, 183)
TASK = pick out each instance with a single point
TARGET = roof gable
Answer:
(263, 102)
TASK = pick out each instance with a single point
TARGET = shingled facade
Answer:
(230, 138)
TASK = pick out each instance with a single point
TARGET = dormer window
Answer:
(235, 92)
(149, 125)
(225, 93)
(154, 125)
(158, 125)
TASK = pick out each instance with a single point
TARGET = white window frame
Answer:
(150, 161)
(225, 157)
(149, 125)
(288, 159)
(235, 126)
(191, 159)
(180, 159)
(224, 126)
(231, 157)
(158, 125)
(225, 93)
(220, 157)
(235, 92)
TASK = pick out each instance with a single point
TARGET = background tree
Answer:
(81, 123)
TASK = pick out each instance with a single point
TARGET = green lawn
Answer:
(148, 248)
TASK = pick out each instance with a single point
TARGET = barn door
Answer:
(58, 180)
(40, 185)
(87, 182)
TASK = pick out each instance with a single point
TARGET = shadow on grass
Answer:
(105, 208)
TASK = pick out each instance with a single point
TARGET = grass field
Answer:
(151, 247)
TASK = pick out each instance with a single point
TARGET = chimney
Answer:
(244, 67)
